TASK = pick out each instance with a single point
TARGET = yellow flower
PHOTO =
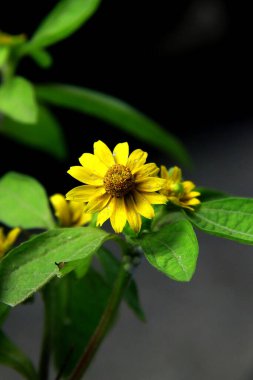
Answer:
(69, 213)
(7, 241)
(177, 191)
(117, 185)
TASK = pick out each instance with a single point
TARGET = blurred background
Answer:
(188, 65)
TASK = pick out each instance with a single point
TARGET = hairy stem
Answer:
(46, 342)
(120, 285)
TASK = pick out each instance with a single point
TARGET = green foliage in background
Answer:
(24, 118)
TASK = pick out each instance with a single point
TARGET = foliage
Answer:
(76, 270)
(19, 103)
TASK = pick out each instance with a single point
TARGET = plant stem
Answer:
(46, 342)
(120, 285)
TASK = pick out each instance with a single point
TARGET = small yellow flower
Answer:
(117, 185)
(7, 241)
(177, 191)
(69, 213)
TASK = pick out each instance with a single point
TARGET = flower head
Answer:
(118, 186)
(177, 191)
(7, 241)
(69, 213)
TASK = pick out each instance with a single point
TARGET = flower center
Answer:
(118, 181)
(177, 188)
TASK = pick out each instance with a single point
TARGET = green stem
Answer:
(120, 285)
(8, 70)
(47, 335)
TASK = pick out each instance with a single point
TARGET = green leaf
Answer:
(32, 264)
(45, 134)
(167, 215)
(23, 202)
(83, 266)
(4, 311)
(80, 267)
(63, 20)
(111, 267)
(117, 113)
(4, 54)
(13, 357)
(230, 217)
(17, 100)
(42, 58)
(78, 307)
(173, 250)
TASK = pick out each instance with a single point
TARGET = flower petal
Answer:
(103, 153)
(2, 237)
(164, 172)
(188, 186)
(193, 194)
(136, 159)
(118, 216)
(85, 176)
(76, 209)
(176, 201)
(150, 184)
(84, 193)
(84, 219)
(93, 164)
(120, 153)
(192, 202)
(133, 217)
(97, 203)
(143, 206)
(105, 214)
(155, 198)
(61, 209)
(147, 170)
(175, 174)
(78, 216)
(11, 238)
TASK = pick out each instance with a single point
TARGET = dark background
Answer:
(188, 65)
